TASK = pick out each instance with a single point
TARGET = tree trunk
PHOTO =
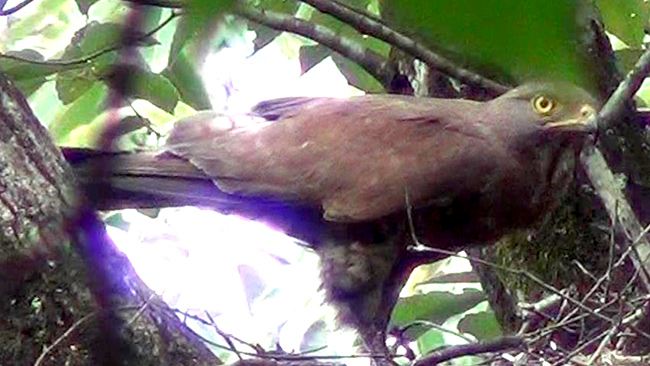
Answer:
(67, 295)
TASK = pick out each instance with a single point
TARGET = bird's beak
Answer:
(585, 121)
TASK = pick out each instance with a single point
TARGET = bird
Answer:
(364, 178)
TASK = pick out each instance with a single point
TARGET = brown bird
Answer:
(341, 174)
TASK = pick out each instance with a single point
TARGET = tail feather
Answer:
(116, 180)
(119, 180)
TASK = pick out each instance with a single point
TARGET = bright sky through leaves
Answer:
(256, 283)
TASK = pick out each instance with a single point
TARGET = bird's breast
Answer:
(515, 197)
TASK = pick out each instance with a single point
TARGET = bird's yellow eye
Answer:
(543, 105)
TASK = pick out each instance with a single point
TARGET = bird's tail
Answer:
(117, 180)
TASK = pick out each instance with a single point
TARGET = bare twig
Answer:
(61, 338)
(223, 335)
(15, 8)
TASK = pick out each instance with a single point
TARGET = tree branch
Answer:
(448, 353)
(372, 62)
(15, 8)
(378, 30)
(603, 179)
(82, 61)
(624, 92)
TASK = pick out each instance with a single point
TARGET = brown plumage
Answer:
(340, 173)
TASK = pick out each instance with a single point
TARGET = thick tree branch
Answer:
(378, 30)
(602, 177)
(372, 62)
(625, 92)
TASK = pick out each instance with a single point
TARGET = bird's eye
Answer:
(543, 105)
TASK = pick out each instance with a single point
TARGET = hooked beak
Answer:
(586, 121)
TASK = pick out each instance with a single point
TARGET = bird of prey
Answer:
(361, 177)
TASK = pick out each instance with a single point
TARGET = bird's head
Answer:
(543, 110)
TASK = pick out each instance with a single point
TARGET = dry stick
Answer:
(563, 360)
(374, 28)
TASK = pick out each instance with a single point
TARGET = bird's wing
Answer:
(275, 109)
(358, 158)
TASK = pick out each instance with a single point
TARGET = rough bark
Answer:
(67, 295)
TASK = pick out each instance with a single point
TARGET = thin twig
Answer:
(82, 61)
(15, 8)
(223, 335)
(61, 338)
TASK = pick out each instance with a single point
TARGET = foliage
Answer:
(62, 53)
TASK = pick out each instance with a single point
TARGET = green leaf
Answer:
(32, 24)
(644, 92)
(314, 337)
(354, 73)
(79, 113)
(510, 40)
(459, 277)
(625, 19)
(483, 325)
(109, 11)
(157, 57)
(434, 306)
(27, 76)
(264, 34)
(84, 5)
(198, 19)
(628, 57)
(183, 74)
(71, 84)
(155, 88)
(43, 102)
(357, 76)
(117, 220)
(310, 56)
(430, 340)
